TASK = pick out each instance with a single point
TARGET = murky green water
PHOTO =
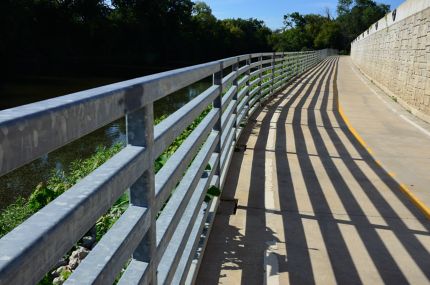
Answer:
(23, 181)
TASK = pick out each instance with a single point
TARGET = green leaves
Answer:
(58, 183)
(13, 215)
(212, 192)
(43, 195)
(313, 31)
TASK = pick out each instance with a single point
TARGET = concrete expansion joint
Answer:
(321, 214)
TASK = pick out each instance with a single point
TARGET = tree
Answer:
(330, 36)
(299, 32)
(315, 31)
(344, 7)
(354, 18)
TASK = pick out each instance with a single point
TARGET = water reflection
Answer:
(23, 181)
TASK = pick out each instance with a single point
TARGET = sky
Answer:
(272, 11)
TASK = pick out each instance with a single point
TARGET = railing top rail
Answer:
(28, 132)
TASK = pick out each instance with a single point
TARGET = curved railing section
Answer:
(156, 238)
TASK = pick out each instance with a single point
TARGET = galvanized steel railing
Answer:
(155, 246)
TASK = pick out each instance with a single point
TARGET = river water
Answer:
(22, 182)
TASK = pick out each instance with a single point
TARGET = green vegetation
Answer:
(141, 33)
(47, 191)
(51, 35)
(212, 192)
(54, 36)
(14, 215)
(60, 181)
(306, 32)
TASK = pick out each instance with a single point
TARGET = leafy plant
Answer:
(212, 192)
(114, 213)
(13, 215)
(57, 184)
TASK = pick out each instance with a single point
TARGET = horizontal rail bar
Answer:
(242, 93)
(170, 173)
(227, 133)
(227, 80)
(195, 266)
(27, 132)
(255, 64)
(135, 273)
(266, 76)
(255, 81)
(173, 212)
(56, 227)
(228, 96)
(169, 262)
(227, 114)
(243, 69)
(241, 105)
(255, 73)
(243, 81)
(227, 160)
(105, 261)
(266, 61)
(254, 91)
(171, 127)
(191, 246)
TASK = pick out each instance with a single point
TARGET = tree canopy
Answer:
(35, 34)
(303, 32)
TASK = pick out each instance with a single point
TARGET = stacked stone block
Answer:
(398, 59)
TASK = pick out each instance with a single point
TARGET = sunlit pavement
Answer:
(314, 206)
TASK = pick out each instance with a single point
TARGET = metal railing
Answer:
(157, 236)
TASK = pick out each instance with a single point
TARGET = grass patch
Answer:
(14, 215)
(58, 183)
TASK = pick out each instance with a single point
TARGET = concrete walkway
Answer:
(314, 207)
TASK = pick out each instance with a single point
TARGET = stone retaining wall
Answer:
(395, 54)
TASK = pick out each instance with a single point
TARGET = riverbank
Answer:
(23, 181)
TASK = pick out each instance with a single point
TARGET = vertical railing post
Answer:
(296, 63)
(305, 56)
(217, 104)
(248, 73)
(284, 68)
(307, 60)
(235, 69)
(260, 74)
(302, 61)
(272, 85)
(140, 132)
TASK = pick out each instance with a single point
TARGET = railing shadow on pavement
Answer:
(153, 246)
(310, 110)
